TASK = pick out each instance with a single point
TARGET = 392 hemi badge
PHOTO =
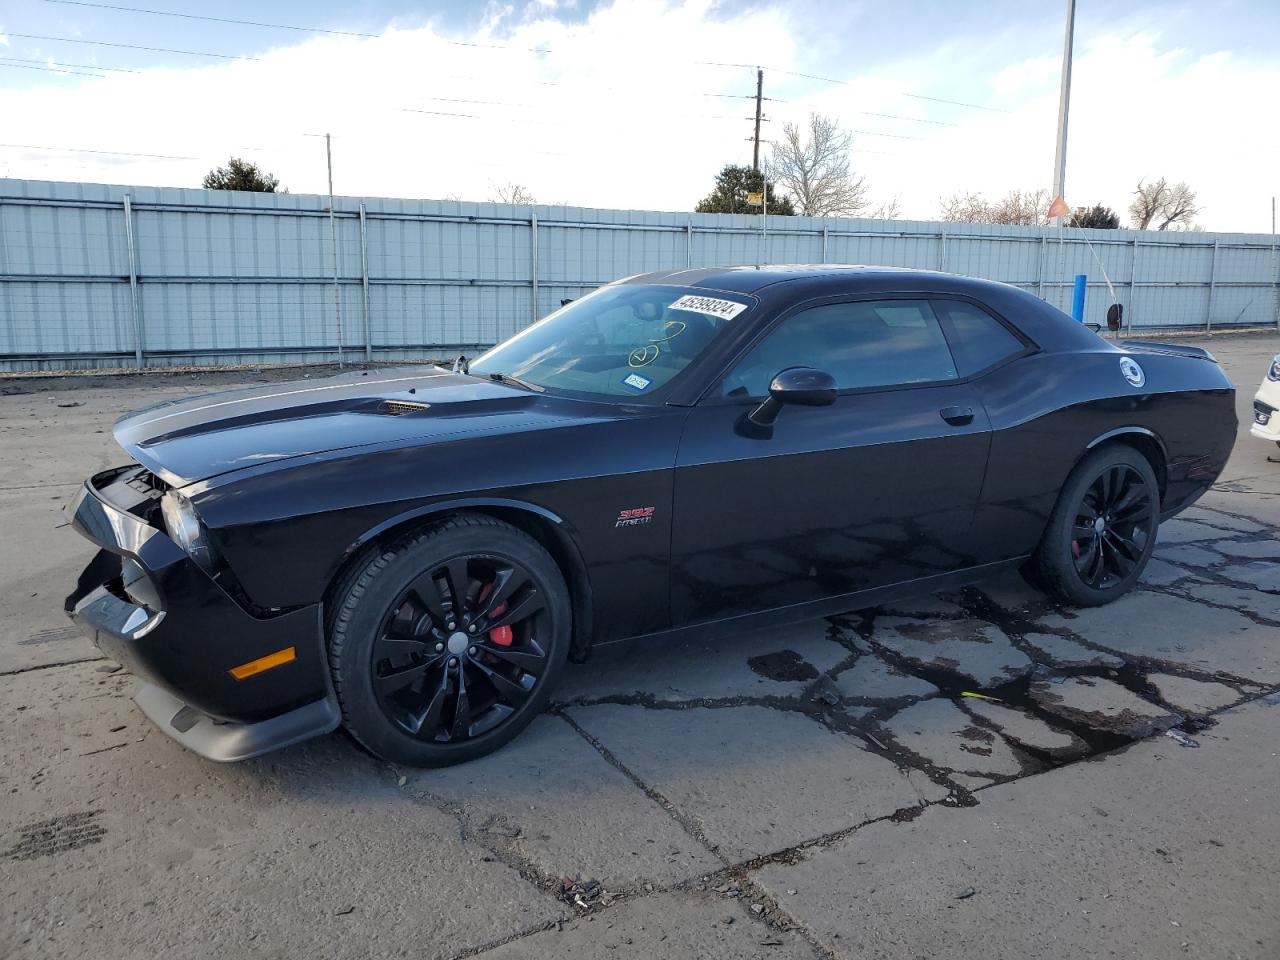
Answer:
(634, 517)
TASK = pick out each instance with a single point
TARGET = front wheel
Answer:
(1102, 530)
(446, 645)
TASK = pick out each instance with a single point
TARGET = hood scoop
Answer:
(400, 408)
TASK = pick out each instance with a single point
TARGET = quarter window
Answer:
(866, 343)
(978, 340)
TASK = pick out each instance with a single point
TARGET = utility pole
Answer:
(333, 239)
(1064, 103)
(755, 152)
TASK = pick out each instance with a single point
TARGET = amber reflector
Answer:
(280, 657)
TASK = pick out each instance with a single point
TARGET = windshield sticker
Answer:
(643, 356)
(725, 309)
(670, 330)
(637, 381)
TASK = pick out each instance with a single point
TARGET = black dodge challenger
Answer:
(415, 553)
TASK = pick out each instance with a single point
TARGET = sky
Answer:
(638, 103)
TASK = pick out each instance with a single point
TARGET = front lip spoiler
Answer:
(228, 742)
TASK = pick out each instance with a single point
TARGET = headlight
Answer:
(184, 526)
(1274, 372)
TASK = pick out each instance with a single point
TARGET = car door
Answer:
(1027, 461)
(877, 488)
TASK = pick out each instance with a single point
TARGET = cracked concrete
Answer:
(663, 927)
(821, 790)
(1027, 730)
(971, 648)
(709, 669)
(610, 832)
(752, 778)
(1103, 705)
(1061, 651)
(1090, 860)
(1193, 696)
(870, 680)
(1209, 639)
(948, 737)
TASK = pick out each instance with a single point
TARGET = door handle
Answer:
(957, 416)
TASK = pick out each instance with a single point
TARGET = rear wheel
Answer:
(1102, 530)
(448, 644)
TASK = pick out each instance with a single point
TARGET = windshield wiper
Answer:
(507, 378)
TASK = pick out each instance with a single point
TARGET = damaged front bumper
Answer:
(148, 605)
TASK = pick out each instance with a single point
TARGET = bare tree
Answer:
(1180, 209)
(1148, 198)
(516, 193)
(964, 208)
(812, 165)
(1020, 208)
(1163, 206)
(891, 209)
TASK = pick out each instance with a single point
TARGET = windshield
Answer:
(624, 340)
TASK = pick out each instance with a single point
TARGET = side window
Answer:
(867, 343)
(978, 339)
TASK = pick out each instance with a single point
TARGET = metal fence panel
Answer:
(239, 277)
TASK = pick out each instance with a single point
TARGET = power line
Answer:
(955, 103)
(893, 136)
(548, 122)
(26, 66)
(443, 113)
(194, 16)
(275, 26)
(894, 116)
(59, 66)
(130, 46)
(845, 83)
(113, 153)
(494, 103)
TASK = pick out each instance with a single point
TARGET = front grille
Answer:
(399, 408)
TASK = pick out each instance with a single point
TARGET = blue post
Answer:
(1077, 304)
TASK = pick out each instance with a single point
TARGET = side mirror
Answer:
(801, 386)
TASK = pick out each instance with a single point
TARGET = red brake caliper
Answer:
(499, 635)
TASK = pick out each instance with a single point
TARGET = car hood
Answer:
(184, 441)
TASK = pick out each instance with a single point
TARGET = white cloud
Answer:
(616, 114)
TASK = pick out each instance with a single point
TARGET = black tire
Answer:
(398, 667)
(1102, 529)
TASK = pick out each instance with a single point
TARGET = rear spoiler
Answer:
(1177, 349)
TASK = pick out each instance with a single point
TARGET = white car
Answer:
(1266, 405)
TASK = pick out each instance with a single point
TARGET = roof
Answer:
(1046, 325)
(751, 279)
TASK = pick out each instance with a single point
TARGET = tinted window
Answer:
(978, 339)
(870, 343)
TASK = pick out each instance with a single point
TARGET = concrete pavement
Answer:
(826, 789)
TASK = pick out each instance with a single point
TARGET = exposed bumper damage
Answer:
(146, 604)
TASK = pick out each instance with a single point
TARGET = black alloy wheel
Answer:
(1114, 522)
(447, 643)
(460, 649)
(1100, 535)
